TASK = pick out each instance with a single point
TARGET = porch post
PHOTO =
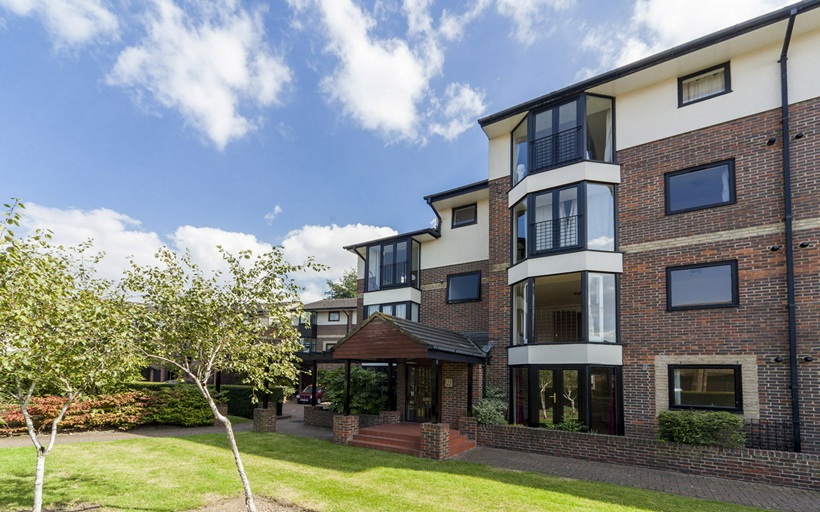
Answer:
(469, 389)
(314, 370)
(347, 388)
(435, 412)
(391, 389)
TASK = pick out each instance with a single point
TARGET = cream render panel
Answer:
(581, 171)
(593, 261)
(392, 295)
(464, 244)
(500, 156)
(652, 113)
(567, 353)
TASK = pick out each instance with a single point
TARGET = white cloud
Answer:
(325, 244)
(114, 233)
(462, 105)
(531, 18)
(656, 25)
(208, 62)
(383, 83)
(121, 237)
(70, 22)
(271, 215)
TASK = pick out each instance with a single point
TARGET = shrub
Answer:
(490, 409)
(180, 405)
(240, 399)
(704, 428)
(368, 390)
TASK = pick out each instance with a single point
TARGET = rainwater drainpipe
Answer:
(787, 200)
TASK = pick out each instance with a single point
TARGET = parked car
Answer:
(305, 396)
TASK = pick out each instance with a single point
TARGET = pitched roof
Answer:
(331, 304)
(435, 343)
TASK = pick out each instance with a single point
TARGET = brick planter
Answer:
(435, 440)
(264, 420)
(389, 417)
(344, 428)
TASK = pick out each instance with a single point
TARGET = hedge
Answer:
(706, 428)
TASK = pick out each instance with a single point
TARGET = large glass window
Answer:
(580, 216)
(581, 397)
(580, 129)
(407, 310)
(392, 264)
(704, 84)
(464, 287)
(705, 387)
(566, 308)
(702, 286)
(700, 187)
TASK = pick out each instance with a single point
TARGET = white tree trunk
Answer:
(249, 504)
(38, 481)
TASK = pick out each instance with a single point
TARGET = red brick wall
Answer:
(758, 327)
(764, 466)
(459, 317)
(499, 292)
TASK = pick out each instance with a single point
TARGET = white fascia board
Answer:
(582, 171)
(567, 353)
(392, 295)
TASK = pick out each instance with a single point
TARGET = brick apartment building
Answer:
(647, 239)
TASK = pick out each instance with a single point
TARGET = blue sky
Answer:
(301, 123)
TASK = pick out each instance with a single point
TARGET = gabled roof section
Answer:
(386, 338)
(422, 235)
(332, 304)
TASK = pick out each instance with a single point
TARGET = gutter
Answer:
(787, 200)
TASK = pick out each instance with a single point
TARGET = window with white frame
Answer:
(704, 84)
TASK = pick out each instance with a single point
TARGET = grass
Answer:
(170, 474)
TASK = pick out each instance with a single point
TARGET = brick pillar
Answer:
(435, 440)
(223, 410)
(264, 420)
(468, 426)
(344, 428)
(389, 417)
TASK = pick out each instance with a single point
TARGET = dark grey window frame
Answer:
(331, 314)
(408, 308)
(730, 163)
(727, 84)
(738, 407)
(414, 247)
(477, 298)
(734, 284)
(474, 220)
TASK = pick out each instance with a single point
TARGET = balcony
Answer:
(556, 150)
(556, 235)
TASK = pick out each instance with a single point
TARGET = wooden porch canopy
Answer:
(385, 338)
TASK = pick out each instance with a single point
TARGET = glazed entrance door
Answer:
(559, 396)
(419, 393)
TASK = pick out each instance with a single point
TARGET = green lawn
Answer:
(167, 474)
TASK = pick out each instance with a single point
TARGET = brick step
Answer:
(386, 434)
(374, 445)
(412, 442)
(460, 444)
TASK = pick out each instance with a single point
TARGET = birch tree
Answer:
(62, 331)
(238, 322)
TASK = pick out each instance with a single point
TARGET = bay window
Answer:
(576, 217)
(392, 264)
(579, 129)
(566, 308)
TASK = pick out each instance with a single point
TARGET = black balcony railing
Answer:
(556, 235)
(307, 331)
(555, 150)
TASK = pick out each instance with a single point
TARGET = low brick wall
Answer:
(318, 417)
(763, 466)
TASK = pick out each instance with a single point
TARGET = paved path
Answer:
(718, 489)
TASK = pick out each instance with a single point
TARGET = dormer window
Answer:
(464, 215)
(704, 84)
